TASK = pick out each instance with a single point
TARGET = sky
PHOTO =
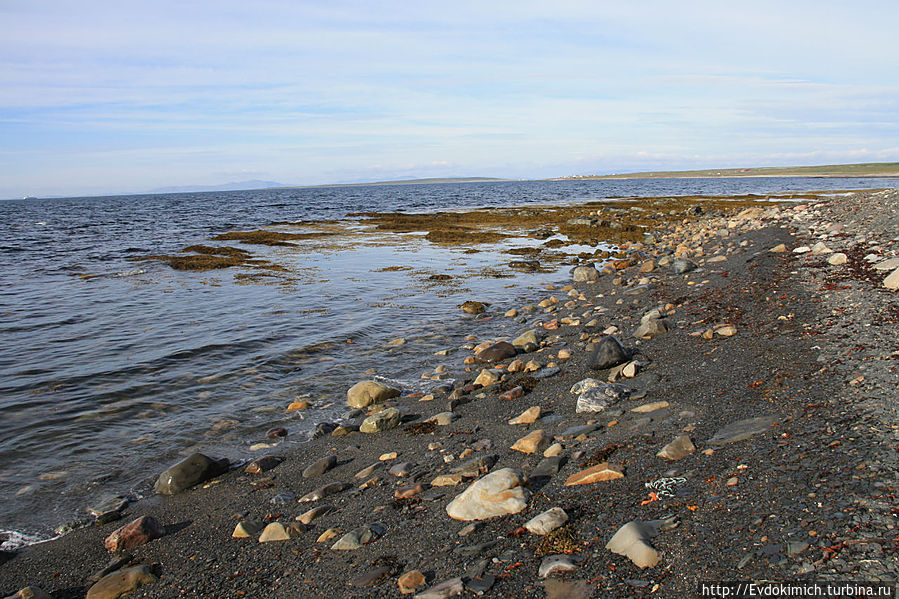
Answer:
(124, 96)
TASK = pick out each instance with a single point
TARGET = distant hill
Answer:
(234, 186)
(868, 169)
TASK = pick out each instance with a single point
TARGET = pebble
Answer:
(531, 443)
(529, 416)
(553, 450)
(447, 480)
(892, 280)
(297, 406)
(547, 522)
(409, 491)
(608, 353)
(727, 330)
(496, 494)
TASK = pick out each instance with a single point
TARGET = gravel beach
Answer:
(721, 400)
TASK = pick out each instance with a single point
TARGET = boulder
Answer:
(496, 494)
(192, 470)
(366, 393)
(138, 532)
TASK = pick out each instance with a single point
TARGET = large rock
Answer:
(496, 494)
(381, 421)
(585, 274)
(497, 352)
(192, 470)
(365, 393)
(609, 353)
(632, 541)
(121, 582)
(138, 532)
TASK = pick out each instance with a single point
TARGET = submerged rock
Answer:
(192, 470)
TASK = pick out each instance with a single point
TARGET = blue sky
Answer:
(109, 97)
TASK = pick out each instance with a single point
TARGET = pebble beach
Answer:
(715, 400)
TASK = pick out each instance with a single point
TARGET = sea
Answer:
(113, 369)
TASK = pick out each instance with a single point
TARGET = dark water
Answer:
(111, 369)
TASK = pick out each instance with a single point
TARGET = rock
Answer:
(548, 466)
(650, 407)
(497, 352)
(368, 471)
(315, 513)
(576, 431)
(322, 492)
(447, 588)
(678, 449)
(366, 393)
(742, 430)
(585, 274)
(297, 406)
(515, 366)
(511, 313)
(532, 366)
(121, 582)
(632, 541)
(654, 327)
(594, 474)
(564, 354)
(471, 307)
(281, 499)
(892, 280)
(575, 589)
(727, 330)
(358, 537)
(609, 353)
(681, 266)
(553, 450)
(442, 419)
(496, 494)
(802, 249)
(190, 471)
(278, 531)
(527, 341)
(601, 397)
(31, 593)
(779, 248)
(108, 509)
(821, 248)
(410, 581)
(647, 266)
(486, 378)
(555, 563)
(630, 370)
(246, 529)
(479, 585)
(138, 532)
(531, 443)
(381, 421)
(260, 465)
(447, 480)
(891, 264)
(401, 469)
(276, 432)
(328, 535)
(475, 466)
(837, 259)
(372, 577)
(529, 416)
(408, 491)
(547, 522)
(319, 467)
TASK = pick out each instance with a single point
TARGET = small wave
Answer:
(13, 540)
(131, 273)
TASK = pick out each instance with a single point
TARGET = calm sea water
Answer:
(111, 369)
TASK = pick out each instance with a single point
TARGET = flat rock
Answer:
(650, 407)
(547, 522)
(496, 494)
(602, 396)
(681, 266)
(410, 581)
(192, 470)
(575, 589)
(892, 280)
(598, 473)
(442, 590)
(475, 466)
(447, 480)
(742, 430)
(531, 443)
(678, 449)
(322, 492)
(319, 467)
(121, 582)
(358, 537)
(381, 421)
(548, 466)
(891, 264)
(366, 393)
(137, 532)
(608, 353)
(556, 563)
(577, 431)
(442, 419)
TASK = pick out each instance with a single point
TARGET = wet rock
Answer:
(632, 541)
(322, 492)
(366, 393)
(609, 353)
(410, 581)
(358, 537)
(472, 307)
(585, 274)
(279, 531)
(381, 421)
(138, 532)
(246, 529)
(260, 465)
(531, 443)
(600, 472)
(681, 266)
(122, 582)
(324, 428)
(276, 432)
(497, 352)
(190, 471)
(30, 593)
(529, 416)
(496, 494)
(442, 590)
(678, 449)
(108, 509)
(556, 563)
(319, 467)
(547, 522)
(742, 430)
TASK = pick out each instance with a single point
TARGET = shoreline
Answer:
(760, 371)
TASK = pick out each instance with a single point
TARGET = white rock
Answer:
(547, 522)
(837, 259)
(890, 264)
(892, 281)
(820, 248)
(496, 494)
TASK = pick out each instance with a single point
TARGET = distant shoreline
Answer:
(863, 170)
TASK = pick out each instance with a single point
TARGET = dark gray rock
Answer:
(609, 353)
(320, 467)
(682, 266)
(190, 471)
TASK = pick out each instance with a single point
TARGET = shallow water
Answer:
(111, 369)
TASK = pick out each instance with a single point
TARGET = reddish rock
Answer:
(409, 491)
(552, 325)
(513, 393)
(141, 531)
